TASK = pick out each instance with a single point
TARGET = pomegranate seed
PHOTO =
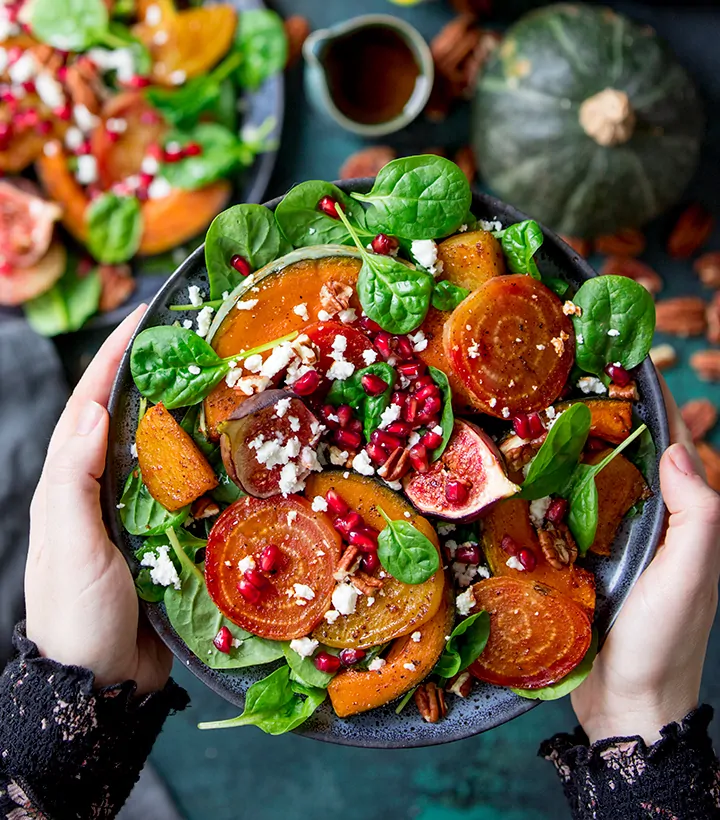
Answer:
(249, 592)
(618, 374)
(29, 87)
(432, 405)
(376, 454)
(145, 179)
(386, 440)
(398, 398)
(428, 420)
(345, 414)
(63, 112)
(468, 554)
(373, 385)
(326, 662)
(349, 657)
(336, 503)
(193, 149)
(7, 96)
(347, 438)
(330, 417)
(142, 193)
(355, 426)
(426, 392)
(155, 151)
(84, 149)
(223, 640)
(456, 491)
(399, 428)
(432, 440)
(527, 558)
(383, 343)
(537, 428)
(404, 347)
(370, 562)
(521, 425)
(44, 127)
(307, 383)
(410, 409)
(363, 540)
(257, 579)
(150, 118)
(62, 73)
(594, 445)
(423, 381)
(5, 131)
(5, 269)
(270, 558)
(112, 136)
(509, 545)
(138, 82)
(366, 323)
(557, 510)
(384, 244)
(345, 524)
(419, 458)
(28, 118)
(329, 206)
(174, 155)
(411, 370)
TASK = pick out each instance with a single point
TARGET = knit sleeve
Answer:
(676, 778)
(69, 751)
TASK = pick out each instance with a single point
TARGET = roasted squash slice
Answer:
(470, 259)
(610, 419)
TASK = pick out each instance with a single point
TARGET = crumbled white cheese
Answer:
(304, 646)
(465, 602)
(87, 169)
(282, 406)
(344, 598)
(133, 450)
(514, 563)
(413, 438)
(410, 667)
(505, 412)
(394, 485)
(341, 370)
(538, 508)
(204, 320)
(319, 504)
(347, 316)
(492, 402)
(291, 516)
(195, 297)
(302, 311)
(290, 480)
(254, 363)
(362, 464)
(490, 225)
(369, 356)
(463, 573)
(613, 332)
(416, 637)
(419, 342)
(159, 188)
(247, 304)
(376, 664)
(303, 591)
(474, 350)
(331, 616)
(370, 601)
(456, 688)
(177, 77)
(23, 69)
(49, 90)
(246, 563)
(309, 460)
(153, 15)
(446, 529)
(84, 118)
(278, 360)
(390, 414)
(424, 252)
(294, 422)
(591, 384)
(571, 309)
(271, 453)
(162, 569)
(324, 316)
(236, 643)
(194, 370)
(338, 457)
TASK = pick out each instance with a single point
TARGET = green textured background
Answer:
(497, 776)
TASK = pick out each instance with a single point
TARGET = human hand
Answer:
(82, 608)
(648, 672)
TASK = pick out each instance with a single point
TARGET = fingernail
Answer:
(681, 459)
(89, 418)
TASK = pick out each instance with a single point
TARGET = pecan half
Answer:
(367, 162)
(582, 247)
(629, 392)
(460, 685)
(365, 583)
(663, 356)
(116, 286)
(334, 297)
(297, 29)
(710, 458)
(430, 702)
(707, 268)
(346, 561)
(706, 363)
(518, 451)
(558, 545)
(682, 316)
(713, 320)
(691, 231)
(396, 466)
(633, 269)
(84, 84)
(204, 507)
(700, 416)
(626, 242)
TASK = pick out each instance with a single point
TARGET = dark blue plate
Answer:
(488, 706)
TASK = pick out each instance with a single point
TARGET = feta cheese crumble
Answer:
(304, 646)
(613, 332)
(303, 591)
(204, 320)
(344, 598)
(538, 508)
(369, 356)
(319, 504)
(246, 563)
(302, 311)
(248, 304)
(465, 602)
(162, 569)
(376, 664)
(591, 384)
(282, 407)
(362, 464)
(416, 637)
(424, 252)
(514, 563)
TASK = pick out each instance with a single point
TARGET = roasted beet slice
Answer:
(267, 432)
(323, 335)
(467, 479)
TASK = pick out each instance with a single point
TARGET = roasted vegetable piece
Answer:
(323, 336)
(511, 518)
(399, 608)
(309, 550)
(471, 460)
(611, 419)
(20, 284)
(620, 486)
(53, 170)
(354, 691)
(470, 259)
(537, 635)
(174, 470)
(512, 345)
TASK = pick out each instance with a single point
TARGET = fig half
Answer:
(465, 481)
(264, 434)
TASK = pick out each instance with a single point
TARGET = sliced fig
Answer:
(266, 432)
(465, 481)
(26, 223)
(20, 285)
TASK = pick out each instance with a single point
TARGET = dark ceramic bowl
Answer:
(488, 706)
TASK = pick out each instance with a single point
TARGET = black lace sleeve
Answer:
(68, 751)
(677, 778)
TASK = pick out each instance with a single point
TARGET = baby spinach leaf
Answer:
(420, 197)
(582, 495)
(559, 454)
(227, 491)
(275, 704)
(369, 408)
(567, 684)
(261, 41)
(519, 243)
(447, 296)
(466, 643)
(558, 286)
(197, 621)
(115, 227)
(406, 553)
(191, 425)
(141, 514)
(304, 224)
(222, 154)
(304, 668)
(68, 304)
(616, 325)
(249, 231)
(447, 422)
(68, 25)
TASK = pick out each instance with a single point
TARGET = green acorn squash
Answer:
(585, 120)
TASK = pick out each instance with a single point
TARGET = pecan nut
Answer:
(582, 247)
(663, 356)
(518, 452)
(707, 268)
(460, 685)
(700, 416)
(365, 583)
(116, 286)
(430, 701)
(334, 297)
(626, 242)
(633, 269)
(682, 316)
(710, 458)
(346, 562)
(713, 320)
(628, 393)
(297, 29)
(367, 162)
(706, 363)
(85, 86)
(396, 466)
(204, 507)
(691, 231)
(558, 546)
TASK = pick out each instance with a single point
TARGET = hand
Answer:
(648, 672)
(81, 603)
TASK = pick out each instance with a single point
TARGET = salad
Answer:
(375, 450)
(123, 119)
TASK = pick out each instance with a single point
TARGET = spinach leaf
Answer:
(567, 684)
(447, 422)
(227, 491)
(369, 408)
(303, 224)
(582, 494)
(68, 304)
(68, 25)
(261, 41)
(406, 553)
(420, 197)
(191, 425)
(447, 296)
(466, 643)
(559, 454)
(519, 243)
(247, 230)
(141, 514)
(115, 226)
(144, 585)
(222, 154)
(304, 668)
(616, 325)
(197, 621)
(275, 705)
(558, 286)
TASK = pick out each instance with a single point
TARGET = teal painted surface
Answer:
(245, 775)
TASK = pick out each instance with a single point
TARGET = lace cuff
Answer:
(69, 750)
(677, 778)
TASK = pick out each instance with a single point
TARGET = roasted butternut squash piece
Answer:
(620, 485)
(174, 470)
(61, 186)
(470, 259)
(354, 691)
(610, 419)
